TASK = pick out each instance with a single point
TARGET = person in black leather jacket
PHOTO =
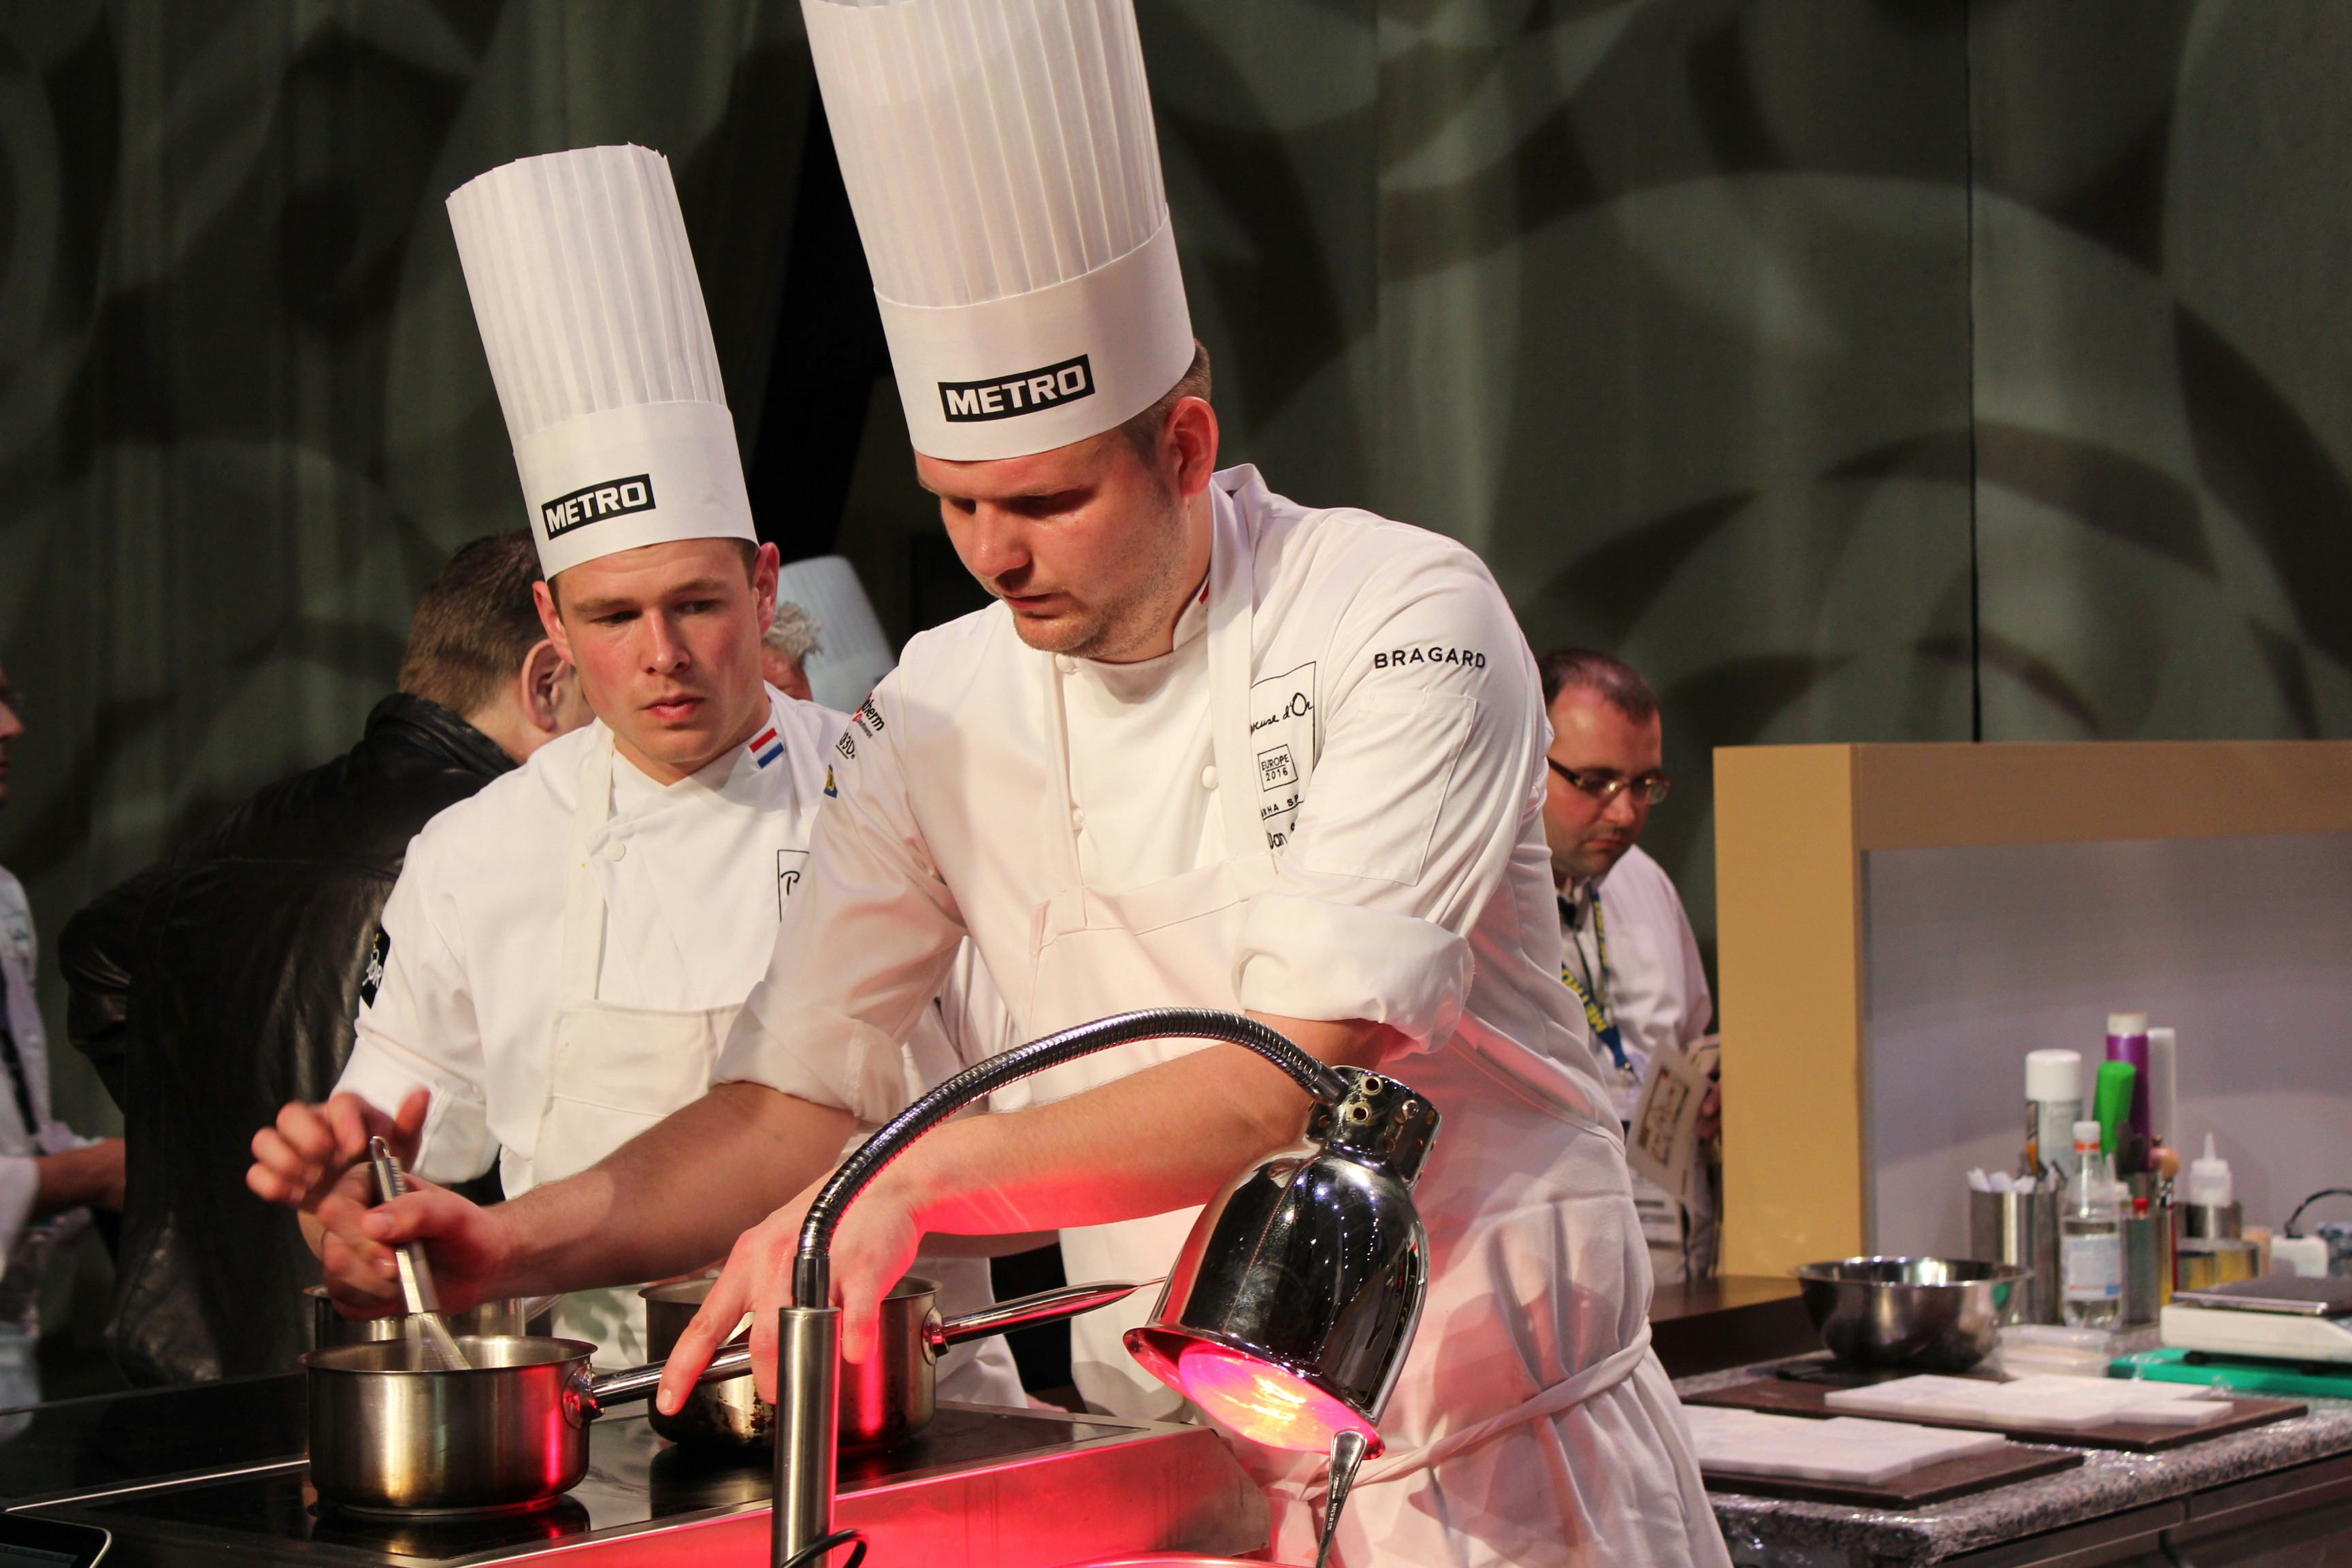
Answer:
(221, 982)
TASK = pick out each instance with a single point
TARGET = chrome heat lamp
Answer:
(1287, 1315)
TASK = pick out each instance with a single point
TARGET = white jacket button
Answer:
(1077, 818)
(1065, 664)
(1209, 776)
(615, 851)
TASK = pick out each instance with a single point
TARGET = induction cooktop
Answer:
(636, 1482)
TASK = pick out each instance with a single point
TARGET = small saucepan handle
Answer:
(639, 1382)
(1028, 1312)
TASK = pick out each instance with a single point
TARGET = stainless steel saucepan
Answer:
(510, 1430)
(884, 1402)
(501, 1315)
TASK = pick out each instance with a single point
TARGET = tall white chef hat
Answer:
(592, 315)
(1001, 160)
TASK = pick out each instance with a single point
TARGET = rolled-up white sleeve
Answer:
(865, 943)
(420, 1031)
(1412, 812)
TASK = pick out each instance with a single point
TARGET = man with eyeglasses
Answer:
(1631, 958)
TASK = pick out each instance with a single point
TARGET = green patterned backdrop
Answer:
(1910, 370)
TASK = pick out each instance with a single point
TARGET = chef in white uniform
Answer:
(1210, 747)
(566, 952)
(1631, 959)
(1213, 748)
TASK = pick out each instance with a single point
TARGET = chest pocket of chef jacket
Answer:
(1382, 783)
(615, 1071)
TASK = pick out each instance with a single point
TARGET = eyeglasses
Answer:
(1649, 789)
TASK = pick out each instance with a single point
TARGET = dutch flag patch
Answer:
(765, 747)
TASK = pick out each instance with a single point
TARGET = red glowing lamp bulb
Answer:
(1265, 1404)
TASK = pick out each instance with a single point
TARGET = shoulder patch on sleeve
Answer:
(371, 978)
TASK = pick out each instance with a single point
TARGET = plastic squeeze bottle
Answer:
(2091, 1238)
(2054, 1100)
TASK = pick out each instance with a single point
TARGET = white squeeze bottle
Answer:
(2091, 1238)
(2054, 1102)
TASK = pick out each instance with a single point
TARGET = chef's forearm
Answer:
(1166, 1138)
(673, 1198)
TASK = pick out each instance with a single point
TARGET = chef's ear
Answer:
(545, 676)
(551, 616)
(1192, 436)
(766, 562)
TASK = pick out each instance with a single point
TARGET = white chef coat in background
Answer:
(1325, 803)
(1656, 992)
(694, 876)
(26, 1246)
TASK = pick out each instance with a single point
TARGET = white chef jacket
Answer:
(27, 1247)
(694, 877)
(1391, 769)
(1655, 990)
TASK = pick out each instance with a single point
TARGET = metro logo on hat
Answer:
(592, 315)
(1004, 169)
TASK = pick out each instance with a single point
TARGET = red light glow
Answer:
(1263, 1403)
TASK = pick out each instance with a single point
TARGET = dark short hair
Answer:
(1618, 683)
(474, 623)
(1142, 431)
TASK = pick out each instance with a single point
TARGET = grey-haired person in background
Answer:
(787, 645)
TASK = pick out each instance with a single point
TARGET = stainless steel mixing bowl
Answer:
(1938, 1314)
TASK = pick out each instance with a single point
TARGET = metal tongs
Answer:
(437, 1346)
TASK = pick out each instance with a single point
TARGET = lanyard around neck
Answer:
(1599, 1016)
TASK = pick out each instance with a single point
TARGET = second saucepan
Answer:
(884, 1402)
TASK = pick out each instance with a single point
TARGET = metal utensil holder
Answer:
(2147, 1252)
(2019, 1229)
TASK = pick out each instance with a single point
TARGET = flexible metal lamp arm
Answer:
(812, 1269)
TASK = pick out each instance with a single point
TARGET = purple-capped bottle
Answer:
(2127, 1042)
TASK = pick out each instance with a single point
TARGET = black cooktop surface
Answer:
(116, 1440)
(635, 1480)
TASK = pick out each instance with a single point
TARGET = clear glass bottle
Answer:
(2091, 1238)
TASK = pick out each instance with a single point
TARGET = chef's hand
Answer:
(310, 1152)
(313, 1160)
(466, 1245)
(873, 1248)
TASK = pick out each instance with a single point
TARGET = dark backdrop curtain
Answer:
(1860, 369)
(246, 412)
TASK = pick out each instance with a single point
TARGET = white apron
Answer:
(1486, 1462)
(615, 1071)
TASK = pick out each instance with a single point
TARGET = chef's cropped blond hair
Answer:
(473, 624)
(1142, 432)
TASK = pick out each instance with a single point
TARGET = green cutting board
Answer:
(2242, 1375)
